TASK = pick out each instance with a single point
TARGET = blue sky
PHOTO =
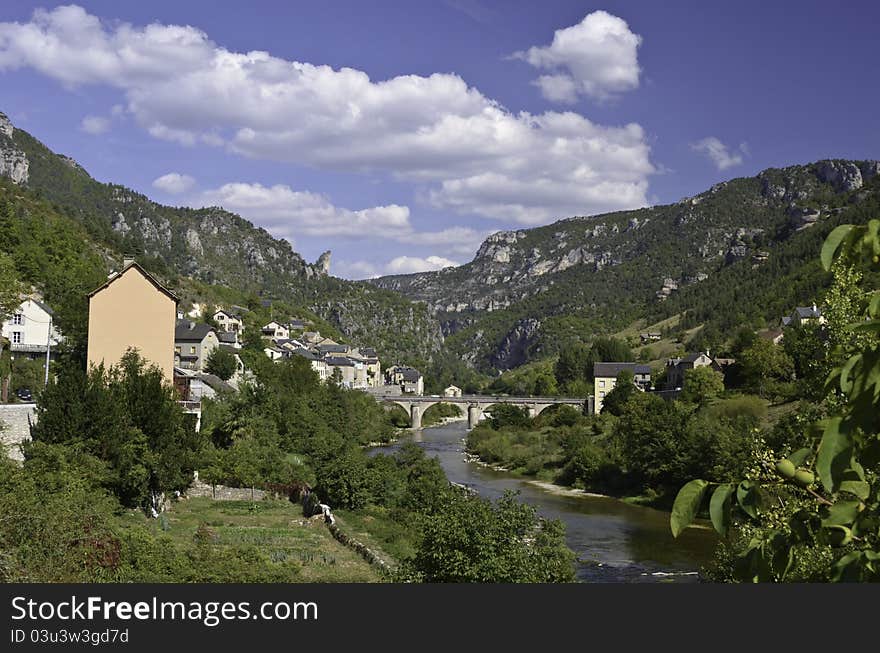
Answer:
(400, 134)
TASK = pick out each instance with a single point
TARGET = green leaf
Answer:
(747, 498)
(845, 385)
(842, 513)
(868, 325)
(687, 502)
(854, 482)
(835, 454)
(719, 507)
(798, 457)
(874, 305)
(845, 569)
(832, 243)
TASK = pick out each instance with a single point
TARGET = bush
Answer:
(509, 415)
(746, 406)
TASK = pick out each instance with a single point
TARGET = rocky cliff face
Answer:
(209, 244)
(13, 162)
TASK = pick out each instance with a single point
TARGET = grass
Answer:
(373, 526)
(277, 528)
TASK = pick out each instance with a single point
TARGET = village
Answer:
(132, 309)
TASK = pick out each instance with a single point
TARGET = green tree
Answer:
(571, 365)
(221, 362)
(806, 346)
(702, 385)
(766, 369)
(652, 439)
(472, 540)
(813, 515)
(10, 287)
(509, 416)
(128, 417)
(208, 311)
(615, 401)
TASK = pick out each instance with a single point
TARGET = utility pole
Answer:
(48, 347)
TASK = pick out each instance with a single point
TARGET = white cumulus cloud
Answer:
(410, 264)
(459, 149)
(598, 58)
(719, 153)
(94, 125)
(284, 212)
(398, 265)
(174, 183)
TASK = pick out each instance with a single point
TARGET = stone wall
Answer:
(222, 492)
(361, 549)
(15, 427)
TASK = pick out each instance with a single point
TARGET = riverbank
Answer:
(615, 540)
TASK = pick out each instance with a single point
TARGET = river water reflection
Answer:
(614, 541)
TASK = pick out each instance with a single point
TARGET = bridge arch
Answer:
(415, 409)
(399, 411)
(457, 406)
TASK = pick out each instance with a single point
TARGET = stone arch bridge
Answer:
(475, 404)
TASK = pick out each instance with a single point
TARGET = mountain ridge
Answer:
(602, 271)
(215, 247)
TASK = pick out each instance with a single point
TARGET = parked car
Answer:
(24, 394)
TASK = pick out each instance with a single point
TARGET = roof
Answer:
(228, 313)
(690, 358)
(808, 311)
(613, 369)
(339, 361)
(230, 349)
(149, 277)
(369, 352)
(226, 337)
(410, 374)
(269, 327)
(186, 331)
(216, 383)
(786, 320)
(44, 307)
(333, 349)
(305, 353)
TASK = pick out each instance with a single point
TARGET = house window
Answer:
(16, 337)
(192, 350)
(601, 395)
(18, 318)
(177, 349)
(602, 383)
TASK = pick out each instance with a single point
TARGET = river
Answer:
(614, 541)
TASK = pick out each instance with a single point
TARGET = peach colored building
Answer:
(132, 310)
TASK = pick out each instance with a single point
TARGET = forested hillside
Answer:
(741, 253)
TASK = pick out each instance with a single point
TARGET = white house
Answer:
(228, 321)
(29, 330)
(275, 330)
(452, 391)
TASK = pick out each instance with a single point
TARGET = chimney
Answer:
(192, 325)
